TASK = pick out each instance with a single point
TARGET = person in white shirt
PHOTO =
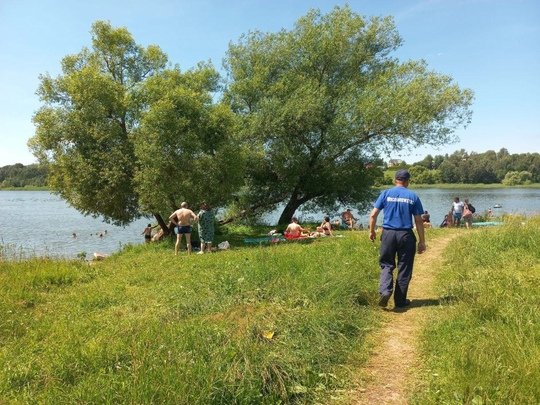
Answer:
(457, 211)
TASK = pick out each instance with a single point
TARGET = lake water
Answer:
(439, 201)
(40, 223)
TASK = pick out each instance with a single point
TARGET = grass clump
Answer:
(485, 349)
(252, 325)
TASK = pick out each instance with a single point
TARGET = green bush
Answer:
(517, 178)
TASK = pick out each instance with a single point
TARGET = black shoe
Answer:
(383, 300)
(404, 304)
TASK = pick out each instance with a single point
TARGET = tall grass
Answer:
(253, 325)
(486, 347)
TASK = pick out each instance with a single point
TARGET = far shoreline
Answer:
(447, 186)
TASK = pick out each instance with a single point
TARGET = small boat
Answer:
(497, 206)
(488, 223)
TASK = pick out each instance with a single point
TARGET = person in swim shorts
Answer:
(183, 218)
(457, 211)
(147, 232)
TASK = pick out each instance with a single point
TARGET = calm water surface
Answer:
(439, 201)
(40, 223)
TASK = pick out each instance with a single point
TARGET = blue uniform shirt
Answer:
(399, 205)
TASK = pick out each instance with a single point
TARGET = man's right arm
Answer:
(372, 221)
(421, 248)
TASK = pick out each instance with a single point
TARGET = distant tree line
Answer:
(19, 175)
(472, 168)
(459, 167)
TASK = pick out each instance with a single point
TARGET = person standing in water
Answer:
(147, 232)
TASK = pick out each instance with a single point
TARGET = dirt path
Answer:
(387, 377)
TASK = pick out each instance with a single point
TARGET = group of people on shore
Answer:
(348, 221)
(183, 219)
(296, 231)
(458, 211)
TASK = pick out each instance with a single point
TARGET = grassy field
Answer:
(485, 349)
(251, 325)
(278, 324)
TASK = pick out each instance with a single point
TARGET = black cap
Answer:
(402, 175)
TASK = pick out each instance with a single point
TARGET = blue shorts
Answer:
(457, 216)
(182, 230)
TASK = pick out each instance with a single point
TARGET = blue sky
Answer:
(489, 46)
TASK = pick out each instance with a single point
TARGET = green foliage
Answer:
(320, 101)
(122, 136)
(83, 129)
(186, 144)
(485, 347)
(253, 325)
(421, 175)
(488, 167)
(517, 178)
(430, 162)
(19, 175)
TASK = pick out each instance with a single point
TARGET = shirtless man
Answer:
(183, 218)
(348, 218)
(294, 229)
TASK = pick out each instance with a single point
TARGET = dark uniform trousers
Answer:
(400, 243)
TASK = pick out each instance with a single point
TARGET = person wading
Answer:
(400, 205)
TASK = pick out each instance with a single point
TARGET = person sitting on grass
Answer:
(348, 219)
(295, 231)
(325, 229)
(426, 220)
(444, 223)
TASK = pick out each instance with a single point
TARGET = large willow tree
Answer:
(321, 101)
(125, 136)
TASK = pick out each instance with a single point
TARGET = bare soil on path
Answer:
(389, 375)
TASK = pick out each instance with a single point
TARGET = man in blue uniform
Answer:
(400, 206)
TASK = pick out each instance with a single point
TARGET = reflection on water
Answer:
(40, 223)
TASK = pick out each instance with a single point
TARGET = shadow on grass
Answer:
(361, 300)
(427, 302)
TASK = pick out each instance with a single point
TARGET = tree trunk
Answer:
(162, 224)
(290, 209)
